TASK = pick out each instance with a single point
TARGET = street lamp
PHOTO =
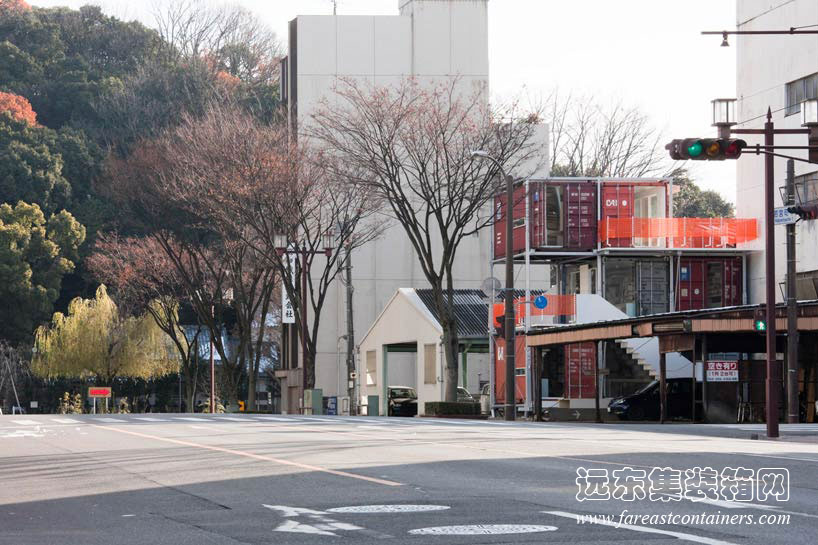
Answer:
(724, 115)
(509, 408)
(809, 113)
(282, 247)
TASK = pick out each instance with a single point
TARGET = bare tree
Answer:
(145, 279)
(412, 147)
(228, 37)
(14, 371)
(254, 182)
(591, 139)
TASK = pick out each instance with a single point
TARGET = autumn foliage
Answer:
(13, 5)
(17, 106)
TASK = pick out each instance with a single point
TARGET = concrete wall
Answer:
(764, 65)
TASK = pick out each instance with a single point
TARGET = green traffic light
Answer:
(760, 325)
(695, 149)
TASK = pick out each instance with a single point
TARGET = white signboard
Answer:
(287, 312)
(782, 216)
(722, 371)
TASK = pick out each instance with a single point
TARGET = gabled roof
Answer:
(471, 308)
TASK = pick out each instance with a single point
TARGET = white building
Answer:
(432, 41)
(776, 71)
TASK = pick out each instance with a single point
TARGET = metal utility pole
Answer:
(212, 367)
(510, 406)
(350, 336)
(792, 307)
(772, 385)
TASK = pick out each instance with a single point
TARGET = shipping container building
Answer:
(616, 238)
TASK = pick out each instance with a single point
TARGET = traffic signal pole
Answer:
(510, 408)
(772, 385)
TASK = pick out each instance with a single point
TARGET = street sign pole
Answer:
(772, 386)
(792, 308)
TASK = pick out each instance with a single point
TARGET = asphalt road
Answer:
(240, 479)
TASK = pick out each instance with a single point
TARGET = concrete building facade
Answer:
(776, 72)
(432, 41)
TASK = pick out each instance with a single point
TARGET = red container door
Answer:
(500, 369)
(580, 361)
(617, 202)
(499, 226)
(518, 234)
(691, 284)
(580, 215)
(732, 281)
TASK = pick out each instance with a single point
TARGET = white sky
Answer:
(646, 53)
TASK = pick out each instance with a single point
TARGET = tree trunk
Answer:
(448, 323)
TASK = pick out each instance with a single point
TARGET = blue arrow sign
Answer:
(541, 302)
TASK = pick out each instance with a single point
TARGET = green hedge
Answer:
(445, 408)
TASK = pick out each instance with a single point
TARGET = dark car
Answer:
(403, 401)
(644, 403)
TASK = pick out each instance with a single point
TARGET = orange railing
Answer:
(676, 232)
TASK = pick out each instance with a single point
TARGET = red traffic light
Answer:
(809, 212)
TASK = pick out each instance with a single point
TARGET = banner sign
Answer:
(99, 391)
(722, 371)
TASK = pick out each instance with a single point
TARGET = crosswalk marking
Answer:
(276, 418)
(188, 419)
(106, 419)
(232, 419)
(26, 422)
(65, 421)
(150, 419)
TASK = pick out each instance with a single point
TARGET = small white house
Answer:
(404, 346)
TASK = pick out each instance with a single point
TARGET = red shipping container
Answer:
(617, 202)
(580, 215)
(709, 282)
(580, 362)
(500, 369)
(518, 243)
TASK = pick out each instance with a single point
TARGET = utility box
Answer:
(372, 406)
(314, 401)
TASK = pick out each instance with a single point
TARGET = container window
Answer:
(715, 281)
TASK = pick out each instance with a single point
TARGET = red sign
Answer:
(722, 371)
(99, 391)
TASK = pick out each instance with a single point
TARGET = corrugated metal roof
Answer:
(471, 308)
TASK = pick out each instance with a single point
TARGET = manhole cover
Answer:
(482, 529)
(388, 508)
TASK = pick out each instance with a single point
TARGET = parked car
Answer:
(403, 401)
(644, 403)
(463, 396)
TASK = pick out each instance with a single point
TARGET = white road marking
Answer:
(316, 419)
(276, 418)
(26, 422)
(778, 457)
(187, 419)
(388, 508)
(296, 527)
(106, 419)
(482, 529)
(66, 421)
(151, 419)
(232, 419)
(21, 433)
(678, 535)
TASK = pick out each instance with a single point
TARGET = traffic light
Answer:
(500, 326)
(809, 212)
(760, 320)
(705, 149)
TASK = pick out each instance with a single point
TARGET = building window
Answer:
(371, 371)
(429, 357)
(800, 90)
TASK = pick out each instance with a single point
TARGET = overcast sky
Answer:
(645, 53)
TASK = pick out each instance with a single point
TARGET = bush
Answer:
(444, 408)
